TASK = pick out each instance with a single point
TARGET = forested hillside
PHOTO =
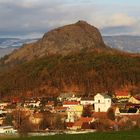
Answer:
(83, 72)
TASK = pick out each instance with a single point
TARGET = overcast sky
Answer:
(34, 17)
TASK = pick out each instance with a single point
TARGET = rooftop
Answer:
(70, 103)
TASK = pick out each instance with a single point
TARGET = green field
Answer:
(123, 135)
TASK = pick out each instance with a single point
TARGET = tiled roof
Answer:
(83, 120)
(70, 103)
(122, 93)
(60, 108)
(86, 119)
(50, 103)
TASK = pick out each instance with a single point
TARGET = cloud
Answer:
(121, 20)
(39, 16)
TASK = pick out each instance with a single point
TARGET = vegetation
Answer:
(91, 72)
(122, 135)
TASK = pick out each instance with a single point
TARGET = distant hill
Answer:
(7, 45)
(72, 58)
(125, 43)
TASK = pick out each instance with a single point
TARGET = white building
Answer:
(85, 102)
(7, 130)
(74, 98)
(32, 103)
(102, 102)
(74, 113)
(3, 105)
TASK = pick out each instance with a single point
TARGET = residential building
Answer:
(122, 94)
(102, 102)
(32, 103)
(74, 113)
(134, 100)
(70, 103)
(7, 130)
(3, 105)
(87, 101)
(83, 123)
(126, 112)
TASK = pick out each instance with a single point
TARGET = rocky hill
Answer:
(63, 40)
(72, 58)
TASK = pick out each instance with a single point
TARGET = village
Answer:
(70, 113)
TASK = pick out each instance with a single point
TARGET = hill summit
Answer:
(63, 40)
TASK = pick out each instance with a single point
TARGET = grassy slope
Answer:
(124, 135)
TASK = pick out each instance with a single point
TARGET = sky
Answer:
(32, 18)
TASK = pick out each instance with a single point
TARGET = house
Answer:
(3, 105)
(87, 101)
(70, 103)
(122, 94)
(102, 102)
(7, 130)
(74, 98)
(36, 118)
(32, 103)
(50, 104)
(134, 100)
(125, 111)
(69, 125)
(15, 100)
(65, 96)
(60, 109)
(2, 117)
(83, 123)
(74, 113)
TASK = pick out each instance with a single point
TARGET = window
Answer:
(98, 101)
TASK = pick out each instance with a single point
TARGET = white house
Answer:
(32, 103)
(87, 101)
(74, 98)
(3, 105)
(7, 130)
(102, 102)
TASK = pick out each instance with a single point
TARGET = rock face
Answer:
(63, 40)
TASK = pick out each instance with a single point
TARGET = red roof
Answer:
(86, 119)
(15, 100)
(122, 93)
(83, 120)
(60, 108)
(101, 115)
(70, 103)
(50, 103)
(78, 123)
